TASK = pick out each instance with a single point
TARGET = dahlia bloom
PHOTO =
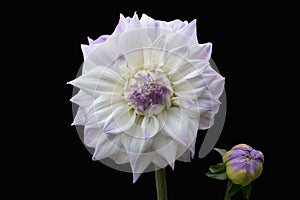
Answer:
(243, 164)
(145, 90)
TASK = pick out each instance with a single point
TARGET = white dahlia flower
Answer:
(145, 91)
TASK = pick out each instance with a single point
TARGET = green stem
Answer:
(161, 184)
(227, 194)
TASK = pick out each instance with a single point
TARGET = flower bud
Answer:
(243, 164)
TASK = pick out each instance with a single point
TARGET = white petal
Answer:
(146, 21)
(82, 99)
(193, 85)
(121, 67)
(151, 25)
(136, 176)
(208, 107)
(186, 91)
(99, 40)
(186, 157)
(131, 44)
(215, 81)
(135, 147)
(155, 28)
(150, 126)
(100, 116)
(121, 157)
(193, 69)
(119, 121)
(183, 102)
(206, 101)
(192, 135)
(104, 101)
(177, 24)
(176, 125)
(176, 40)
(102, 54)
(98, 81)
(122, 25)
(190, 69)
(166, 147)
(134, 23)
(162, 118)
(141, 164)
(201, 51)
(176, 58)
(155, 109)
(92, 121)
(91, 136)
(195, 111)
(106, 146)
(80, 117)
(204, 109)
(155, 54)
(136, 129)
(189, 30)
(183, 152)
(86, 50)
(159, 161)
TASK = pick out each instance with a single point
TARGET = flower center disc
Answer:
(148, 92)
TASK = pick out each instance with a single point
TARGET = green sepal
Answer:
(220, 167)
(234, 189)
(247, 191)
(220, 151)
(219, 176)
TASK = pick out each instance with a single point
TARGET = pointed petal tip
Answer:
(84, 47)
(106, 129)
(194, 21)
(71, 82)
(72, 99)
(110, 131)
(208, 48)
(135, 16)
(145, 15)
(192, 155)
(208, 45)
(135, 177)
(90, 40)
(172, 165)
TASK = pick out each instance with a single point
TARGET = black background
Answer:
(55, 164)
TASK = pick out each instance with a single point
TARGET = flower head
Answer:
(144, 92)
(243, 164)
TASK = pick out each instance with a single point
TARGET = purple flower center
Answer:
(148, 92)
